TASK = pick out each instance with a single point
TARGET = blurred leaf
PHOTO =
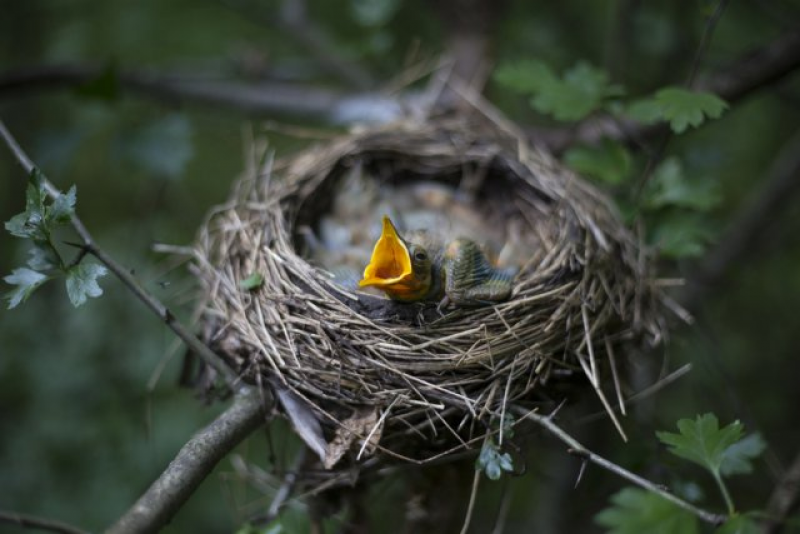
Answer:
(702, 441)
(82, 282)
(526, 76)
(635, 511)
(103, 87)
(669, 187)
(680, 107)
(737, 459)
(42, 258)
(374, 13)
(254, 281)
(681, 235)
(26, 280)
(492, 461)
(739, 524)
(582, 90)
(163, 147)
(63, 207)
(609, 161)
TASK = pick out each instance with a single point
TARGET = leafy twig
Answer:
(123, 274)
(191, 466)
(578, 449)
(38, 523)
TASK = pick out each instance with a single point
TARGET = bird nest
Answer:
(359, 374)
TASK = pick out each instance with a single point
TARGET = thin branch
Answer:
(195, 461)
(261, 98)
(578, 449)
(784, 498)
(750, 73)
(37, 523)
(197, 346)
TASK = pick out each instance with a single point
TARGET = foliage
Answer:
(635, 510)
(680, 107)
(608, 162)
(254, 281)
(493, 462)
(37, 224)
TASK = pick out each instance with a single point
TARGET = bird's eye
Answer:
(420, 256)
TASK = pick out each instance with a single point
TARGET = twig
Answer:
(197, 346)
(784, 497)
(577, 449)
(191, 466)
(471, 506)
(37, 523)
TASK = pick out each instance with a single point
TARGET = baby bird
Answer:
(417, 268)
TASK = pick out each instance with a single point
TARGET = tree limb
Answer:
(192, 465)
(784, 497)
(197, 346)
(37, 523)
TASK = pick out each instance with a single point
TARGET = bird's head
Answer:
(401, 269)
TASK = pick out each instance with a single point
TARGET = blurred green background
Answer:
(84, 424)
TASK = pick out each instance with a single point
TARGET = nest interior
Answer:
(411, 381)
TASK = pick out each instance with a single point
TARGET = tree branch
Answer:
(784, 497)
(197, 346)
(192, 465)
(38, 523)
(262, 98)
(578, 449)
(756, 70)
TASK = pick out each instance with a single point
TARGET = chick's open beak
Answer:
(390, 263)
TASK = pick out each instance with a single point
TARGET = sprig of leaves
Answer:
(36, 224)
(680, 107)
(492, 461)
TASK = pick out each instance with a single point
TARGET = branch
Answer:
(192, 465)
(750, 226)
(784, 497)
(756, 70)
(197, 346)
(579, 450)
(261, 98)
(37, 523)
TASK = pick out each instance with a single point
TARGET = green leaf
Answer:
(702, 441)
(737, 459)
(739, 524)
(18, 226)
(669, 187)
(492, 462)
(63, 207)
(26, 280)
(609, 161)
(635, 511)
(82, 282)
(681, 235)
(254, 281)
(582, 89)
(526, 77)
(374, 13)
(680, 107)
(42, 258)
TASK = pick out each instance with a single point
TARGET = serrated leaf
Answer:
(702, 441)
(82, 282)
(669, 187)
(737, 459)
(680, 235)
(634, 511)
(26, 280)
(526, 76)
(42, 258)
(254, 281)
(609, 161)
(18, 226)
(63, 207)
(582, 90)
(739, 524)
(492, 462)
(680, 107)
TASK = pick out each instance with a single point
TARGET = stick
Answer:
(38, 523)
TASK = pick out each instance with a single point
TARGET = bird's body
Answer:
(418, 267)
